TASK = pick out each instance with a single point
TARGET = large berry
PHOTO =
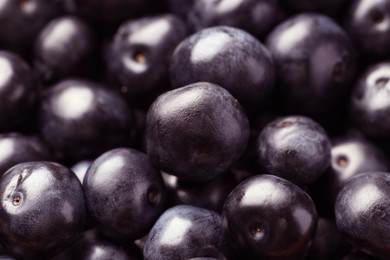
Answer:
(362, 212)
(81, 119)
(42, 210)
(186, 232)
(316, 62)
(196, 132)
(268, 217)
(125, 194)
(294, 147)
(229, 57)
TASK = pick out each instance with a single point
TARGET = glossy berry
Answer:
(350, 156)
(81, 119)
(17, 148)
(18, 92)
(362, 212)
(253, 16)
(65, 47)
(21, 21)
(294, 147)
(316, 62)
(186, 232)
(268, 217)
(229, 57)
(125, 194)
(140, 52)
(370, 101)
(42, 210)
(368, 23)
(196, 132)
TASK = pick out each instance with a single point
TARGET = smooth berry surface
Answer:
(125, 194)
(196, 132)
(139, 55)
(229, 57)
(42, 211)
(81, 119)
(315, 62)
(294, 147)
(64, 47)
(268, 217)
(362, 212)
(186, 232)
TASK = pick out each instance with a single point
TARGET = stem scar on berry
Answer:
(139, 57)
(342, 161)
(153, 195)
(17, 200)
(377, 17)
(256, 230)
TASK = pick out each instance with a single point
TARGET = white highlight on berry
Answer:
(7, 148)
(209, 46)
(228, 5)
(365, 198)
(177, 227)
(75, 102)
(61, 30)
(292, 36)
(261, 193)
(5, 71)
(154, 32)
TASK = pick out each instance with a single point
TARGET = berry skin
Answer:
(351, 155)
(65, 47)
(268, 217)
(315, 64)
(370, 102)
(294, 147)
(186, 232)
(21, 21)
(362, 212)
(125, 194)
(81, 119)
(196, 132)
(139, 55)
(254, 16)
(368, 24)
(19, 92)
(229, 57)
(42, 211)
(17, 148)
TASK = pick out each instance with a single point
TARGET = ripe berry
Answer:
(196, 132)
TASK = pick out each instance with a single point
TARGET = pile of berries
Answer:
(195, 129)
